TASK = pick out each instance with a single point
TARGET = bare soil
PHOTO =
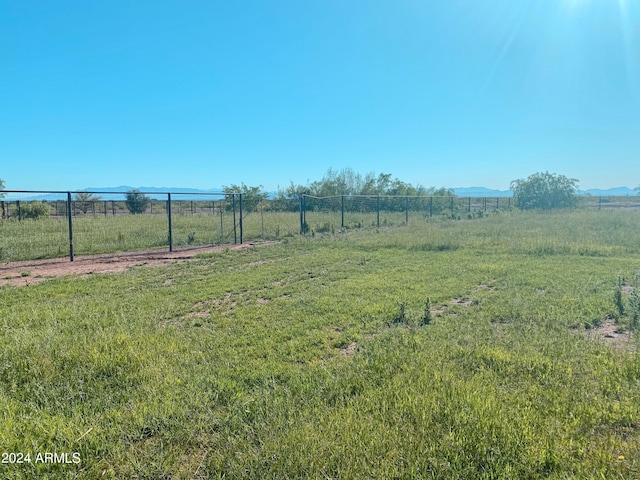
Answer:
(612, 334)
(30, 272)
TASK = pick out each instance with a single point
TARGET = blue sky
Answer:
(209, 93)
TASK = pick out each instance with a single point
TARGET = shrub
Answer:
(34, 210)
(85, 200)
(545, 191)
(427, 318)
(137, 202)
(617, 298)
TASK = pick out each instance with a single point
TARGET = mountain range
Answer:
(487, 192)
(159, 193)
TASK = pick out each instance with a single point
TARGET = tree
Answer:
(85, 199)
(339, 182)
(545, 191)
(1, 188)
(137, 202)
(288, 199)
(251, 196)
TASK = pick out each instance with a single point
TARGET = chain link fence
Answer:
(328, 214)
(37, 225)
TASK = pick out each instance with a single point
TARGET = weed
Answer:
(617, 298)
(634, 304)
(402, 317)
(427, 317)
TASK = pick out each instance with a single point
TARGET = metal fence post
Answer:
(69, 217)
(240, 218)
(378, 211)
(469, 209)
(301, 221)
(221, 226)
(19, 210)
(406, 210)
(169, 219)
(431, 206)
(342, 211)
(235, 234)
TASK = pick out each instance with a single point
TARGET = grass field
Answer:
(316, 358)
(49, 237)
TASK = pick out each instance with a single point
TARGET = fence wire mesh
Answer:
(37, 225)
(31, 229)
(328, 214)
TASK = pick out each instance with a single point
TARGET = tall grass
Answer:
(49, 237)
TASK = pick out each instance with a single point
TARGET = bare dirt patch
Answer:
(349, 350)
(30, 272)
(465, 302)
(458, 301)
(486, 286)
(611, 334)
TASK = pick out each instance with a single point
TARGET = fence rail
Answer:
(46, 224)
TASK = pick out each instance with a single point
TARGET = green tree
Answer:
(1, 188)
(251, 196)
(85, 199)
(288, 199)
(338, 182)
(136, 201)
(545, 191)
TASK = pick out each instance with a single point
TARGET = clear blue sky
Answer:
(209, 93)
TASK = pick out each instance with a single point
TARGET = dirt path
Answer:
(36, 271)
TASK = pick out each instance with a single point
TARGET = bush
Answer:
(34, 210)
(85, 200)
(545, 191)
(137, 202)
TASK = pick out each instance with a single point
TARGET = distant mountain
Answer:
(161, 191)
(161, 195)
(126, 188)
(609, 192)
(480, 192)
(596, 192)
(196, 193)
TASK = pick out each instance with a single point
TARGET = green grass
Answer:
(49, 237)
(234, 365)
